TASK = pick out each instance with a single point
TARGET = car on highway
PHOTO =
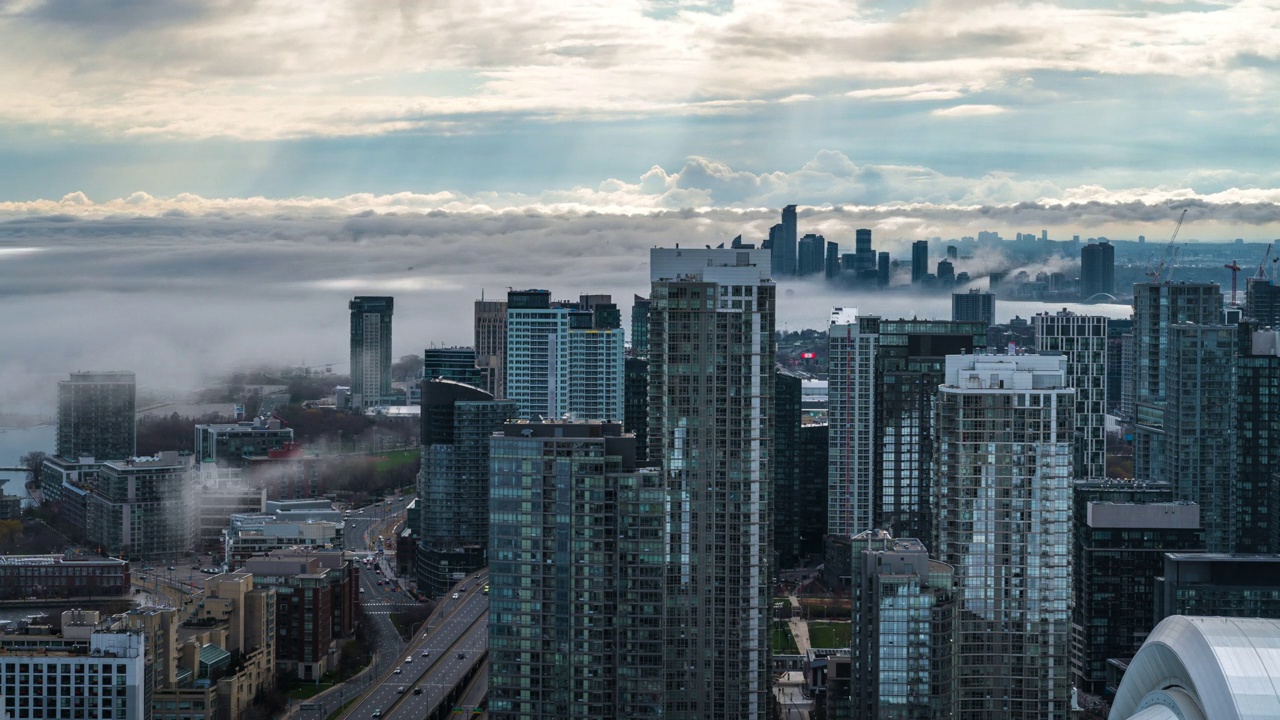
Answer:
(398, 671)
(401, 690)
(409, 659)
(417, 691)
(426, 653)
(455, 596)
(377, 713)
(363, 591)
(462, 589)
(462, 656)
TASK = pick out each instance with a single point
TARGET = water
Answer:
(16, 442)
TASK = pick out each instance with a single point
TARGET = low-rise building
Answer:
(229, 444)
(220, 493)
(250, 535)
(317, 602)
(84, 673)
(61, 576)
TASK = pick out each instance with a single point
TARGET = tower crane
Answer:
(1170, 253)
(1262, 274)
(1234, 267)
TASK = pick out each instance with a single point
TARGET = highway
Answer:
(459, 627)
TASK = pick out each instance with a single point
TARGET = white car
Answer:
(455, 596)
(409, 659)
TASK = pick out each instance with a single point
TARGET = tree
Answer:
(408, 367)
(33, 462)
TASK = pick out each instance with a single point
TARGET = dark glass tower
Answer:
(453, 485)
(800, 476)
(640, 327)
(1097, 270)
(635, 411)
(919, 260)
(1258, 431)
(96, 416)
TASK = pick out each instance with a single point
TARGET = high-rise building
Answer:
(811, 255)
(1122, 531)
(1156, 308)
(104, 672)
(562, 529)
(141, 508)
(491, 343)
(96, 416)
(1262, 301)
(973, 306)
(635, 411)
(1196, 448)
(864, 254)
(1083, 340)
(233, 444)
(711, 417)
(784, 250)
(453, 484)
(851, 396)
(882, 269)
(1116, 330)
(919, 261)
(833, 261)
(903, 634)
(370, 351)
(460, 364)
(946, 272)
(640, 327)
(1001, 504)
(563, 358)
(1128, 381)
(1097, 270)
(1257, 507)
(800, 460)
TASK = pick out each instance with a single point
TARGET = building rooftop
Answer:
(844, 316)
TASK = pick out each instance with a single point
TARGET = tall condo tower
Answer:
(580, 524)
(370, 350)
(1097, 269)
(96, 416)
(919, 260)
(711, 365)
(1002, 519)
(851, 409)
(1083, 340)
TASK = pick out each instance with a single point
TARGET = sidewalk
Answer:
(799, 627)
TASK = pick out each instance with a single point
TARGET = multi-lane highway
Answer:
(437, 662)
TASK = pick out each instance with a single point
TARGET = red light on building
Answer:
(808, 356)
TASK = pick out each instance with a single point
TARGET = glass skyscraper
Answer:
(370, 351)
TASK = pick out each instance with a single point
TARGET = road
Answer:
(460, 626)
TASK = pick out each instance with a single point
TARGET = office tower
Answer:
(453, 485)
(635, 411)
(833, 261)
(232, 445)
(946, 272)
(459, 364)
(711, 364)
(919, 261)
(865, 255)
(96, 416)
(903, 634)
(1116, 330)
(1262, 301)
(564, 640)
(370, 351)
(810, 257)
(491, 343)
(1083, 340)
(640, 327)
(1156, 308)
(1128, 379)
(1203, 667)
(141, 508)
(1121, 532)
(952, 252)
(851, 378)
(973, 306)
(1001, 492)
(1220, 584)
(1097, 270)
(563, 358)
(1258, 428)
(882, 270)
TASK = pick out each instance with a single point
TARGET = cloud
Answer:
(969, 111)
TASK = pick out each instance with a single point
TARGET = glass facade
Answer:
(1258, 437)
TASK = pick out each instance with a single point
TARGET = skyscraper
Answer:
(635, 411)
(453, 484)
(596, 650)
(919, 261)
(1257, 509)
(1097, 270)
(1262, 300)
(882, 269)
(1083, 340)
(455, 363)
(833, 261)
(811, 258)
(563, 357)
(711, 366)
(96, 416)
(370, 351)
(1002, 519)
(789, 240)
(800, 460)
(864, 254)
(1199, 455)
(640, 327)
(1156, 308)
(973, 306)
(491, 343)
(851, 397)
(903, 634)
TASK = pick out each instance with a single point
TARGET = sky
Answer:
(185, 173)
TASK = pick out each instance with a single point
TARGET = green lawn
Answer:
(783, 642)
(830, 634)
(395, 459)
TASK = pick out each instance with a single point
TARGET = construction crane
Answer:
(1234, 267)
(1262, 274)
(1170, 253)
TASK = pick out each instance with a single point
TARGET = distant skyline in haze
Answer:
(920, 118)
